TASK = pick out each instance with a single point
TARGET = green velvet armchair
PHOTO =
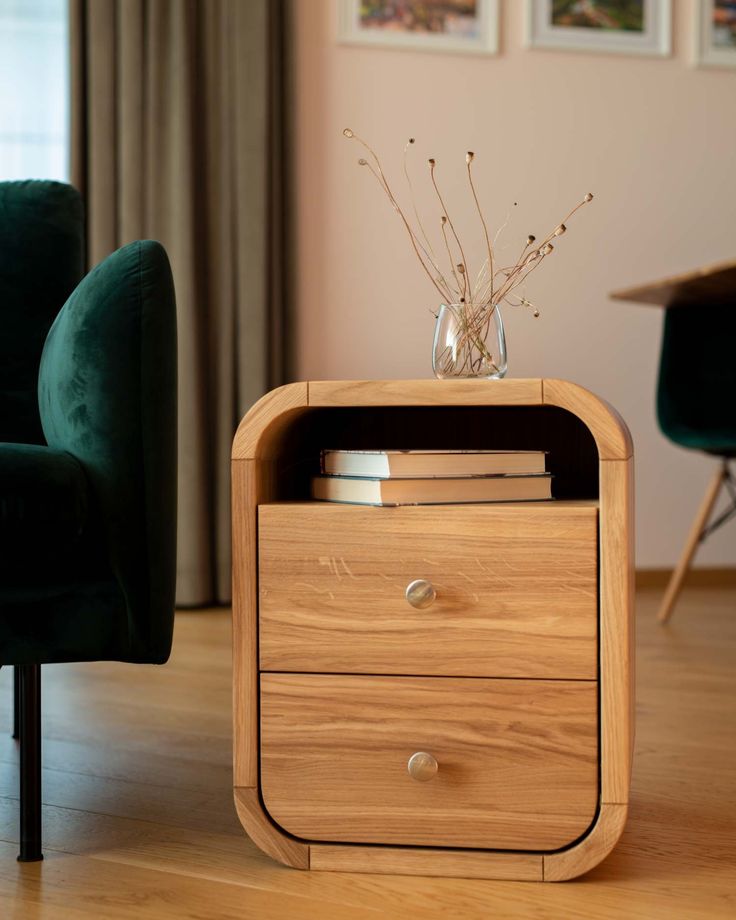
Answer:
(87, 456)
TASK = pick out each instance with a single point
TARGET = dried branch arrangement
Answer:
(493, 284)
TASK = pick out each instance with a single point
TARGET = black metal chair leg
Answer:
(16, 702)
(29, 679)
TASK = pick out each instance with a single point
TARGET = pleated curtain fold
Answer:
(177, 135)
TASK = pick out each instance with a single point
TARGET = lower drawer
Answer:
(517, 760)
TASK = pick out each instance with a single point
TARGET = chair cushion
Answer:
(41, 260)
(58, 598)
(44, 505)
(107, 395)
(697, 377)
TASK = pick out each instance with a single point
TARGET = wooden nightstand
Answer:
(489, 735)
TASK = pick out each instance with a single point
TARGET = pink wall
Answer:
(653, 139)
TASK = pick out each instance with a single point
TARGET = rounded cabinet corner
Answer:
(610, 431)
(265, 834)
(594, 847)
(264, 415)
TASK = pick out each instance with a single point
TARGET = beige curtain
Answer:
(176, 136)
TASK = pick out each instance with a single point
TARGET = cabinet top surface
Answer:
(276, 409)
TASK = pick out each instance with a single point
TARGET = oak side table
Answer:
(489, 735)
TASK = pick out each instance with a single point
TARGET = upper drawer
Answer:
(516, 589)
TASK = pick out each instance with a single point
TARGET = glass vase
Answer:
(469, 341)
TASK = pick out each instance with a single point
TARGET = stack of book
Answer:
(431, 477)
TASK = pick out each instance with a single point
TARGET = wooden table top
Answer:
(715, 283)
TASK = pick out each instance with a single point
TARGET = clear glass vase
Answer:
(469, 341)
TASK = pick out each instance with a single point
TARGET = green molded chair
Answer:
(87, 456)
(696, 409)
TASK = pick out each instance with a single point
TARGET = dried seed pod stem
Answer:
(563, 222)
(470, 156)
(480, 299)
(443, 223)
(449, 221)
(377, 172)
(428, 250)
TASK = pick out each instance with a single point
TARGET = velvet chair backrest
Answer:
(41, 262)
(107, 395)
(696, 394)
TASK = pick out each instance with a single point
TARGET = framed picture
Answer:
(715, 33)
(620, 26)
(421, 25)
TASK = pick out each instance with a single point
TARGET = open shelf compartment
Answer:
(572, 455)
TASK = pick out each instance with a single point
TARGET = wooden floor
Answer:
(139, 821)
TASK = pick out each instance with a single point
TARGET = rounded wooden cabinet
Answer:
(433, 689)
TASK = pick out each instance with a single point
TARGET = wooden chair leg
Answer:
(701, 519)
(30, 762)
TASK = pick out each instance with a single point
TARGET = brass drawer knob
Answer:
(420, 593)
(422, 766)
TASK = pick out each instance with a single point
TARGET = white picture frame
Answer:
(709, 51)
(655, 37)
(463, 37)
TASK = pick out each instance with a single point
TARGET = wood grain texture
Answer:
(714, 283)
(276, 438)
(245, 623)
(139, 820)
(518, 760)
(521, 392)
(71, 887)
(265, 834)
(617, 628)
(593, 849)
(516, 589)
(525, 867)
(270, 413)
(611, 434)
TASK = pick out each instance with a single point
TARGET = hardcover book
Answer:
(434, 491)
(392, 464)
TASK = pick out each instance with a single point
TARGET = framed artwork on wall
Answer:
(620, 26)
(715, 33)
(469, 26)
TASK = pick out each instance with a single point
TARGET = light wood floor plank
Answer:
(85, 887)
(139, 821)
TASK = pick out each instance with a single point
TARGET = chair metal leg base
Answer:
(698, 532)
(16, 703)
(29, 681)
